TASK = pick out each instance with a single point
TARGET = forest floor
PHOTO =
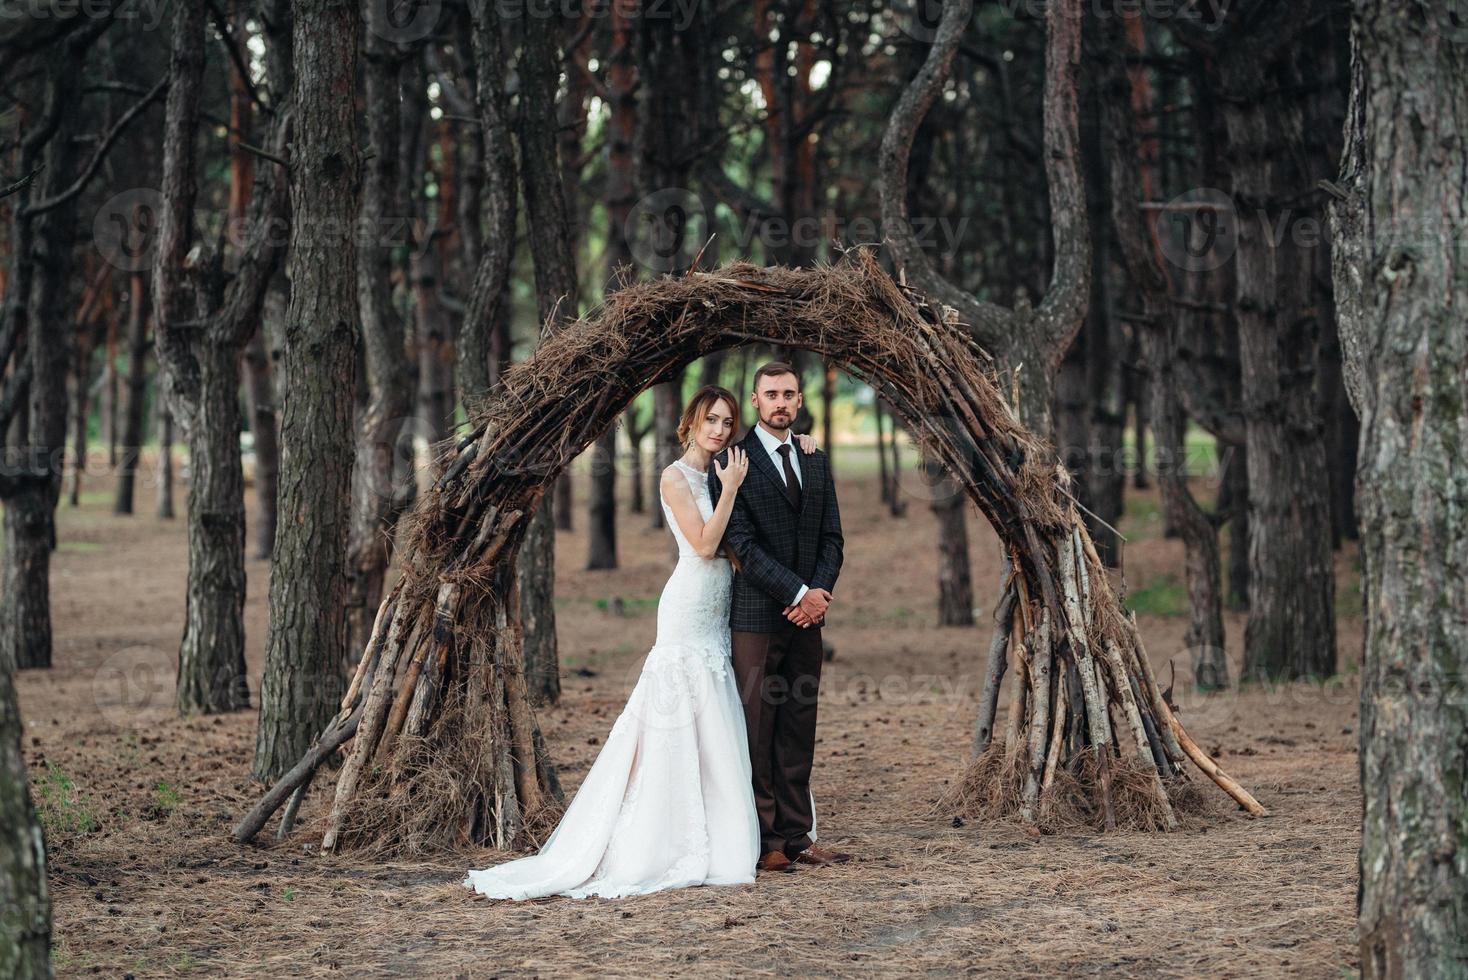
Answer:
(138, 802)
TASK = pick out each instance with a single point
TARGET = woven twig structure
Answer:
(444, 747)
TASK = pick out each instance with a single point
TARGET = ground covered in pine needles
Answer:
(138, 803)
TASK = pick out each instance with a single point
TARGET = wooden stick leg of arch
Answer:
(1179, 734)
(343, 727)
(288, 818)
(1225, 782)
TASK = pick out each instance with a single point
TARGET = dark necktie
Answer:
(792, 484)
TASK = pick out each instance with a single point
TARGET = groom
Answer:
(786, 532)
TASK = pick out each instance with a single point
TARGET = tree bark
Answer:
(955, 585)
(483, 339)
(619, 197)
(1125, 97)
(25, 902)
(81, 370)
(1290, 631)
(130, 451)
(164, 424)
(303, 682)
(1401, 288)
(260, 405)
(43, 245)
(198, 345)
(376, 502)
(556, 298)
(1027, 343)
(259, 394)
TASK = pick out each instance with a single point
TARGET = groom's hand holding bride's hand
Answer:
(812, 608)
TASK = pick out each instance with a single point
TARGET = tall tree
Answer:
(25, 904)
(37, 329)
(133, 417)
(476, 367)
(201, 326)
(1126, 100)
(1026, 341)
(556, 296)
(258, 387)
(1265, 77)
(619, 196)
(376, 504)
(1401, 278)
(305, 646)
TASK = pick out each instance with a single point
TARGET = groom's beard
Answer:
(781, 421)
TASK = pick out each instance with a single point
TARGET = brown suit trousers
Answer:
(779, 676)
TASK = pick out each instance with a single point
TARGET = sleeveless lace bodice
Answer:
(699, 484)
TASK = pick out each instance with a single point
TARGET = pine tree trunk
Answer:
(164, 418)
(955, 584)
(667, 406)
(25, 903)
(483, 342)
(1127, 100)
(538, 608)
(211, 656)
(376, 504)
(30, 519)
(602, 504)
(260, 406)
(110, 400)
(81, 369)
(556, 301)
(1401, 289)
(133, 417)
(25, 618)
(198, 348)
(1236, 488)
(1290, 632)
(635, 435)
(305, 647)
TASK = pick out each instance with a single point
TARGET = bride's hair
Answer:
(703, 399)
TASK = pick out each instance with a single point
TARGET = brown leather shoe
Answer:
(820, 855)
(775, 861)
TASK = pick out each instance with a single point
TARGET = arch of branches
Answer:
(444, 746)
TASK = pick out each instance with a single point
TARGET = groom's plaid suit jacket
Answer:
(779, 549)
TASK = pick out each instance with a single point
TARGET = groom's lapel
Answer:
(761, 461)
(810, 480)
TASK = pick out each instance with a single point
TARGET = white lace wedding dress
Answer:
(668, 802)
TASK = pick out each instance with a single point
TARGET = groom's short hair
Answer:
(774, 369)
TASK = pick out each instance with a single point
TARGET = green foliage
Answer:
(166, 799)
(1162, 595)
(63, 809)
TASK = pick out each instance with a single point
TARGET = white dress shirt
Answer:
(772, 446)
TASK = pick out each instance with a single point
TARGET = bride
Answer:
(668, 802)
